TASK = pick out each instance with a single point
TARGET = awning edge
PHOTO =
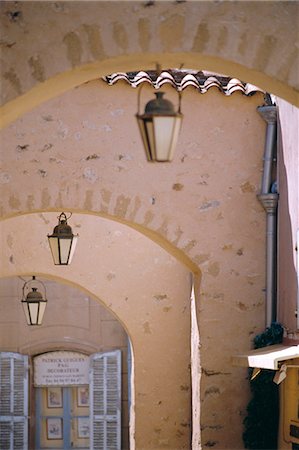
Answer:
(266, 357)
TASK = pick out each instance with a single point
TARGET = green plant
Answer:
(261, 422)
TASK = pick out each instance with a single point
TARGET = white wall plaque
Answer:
(61, 369)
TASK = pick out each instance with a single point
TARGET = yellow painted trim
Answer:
(151, 234)
(64, 81)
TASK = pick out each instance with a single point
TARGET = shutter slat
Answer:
(105, 382)
(5, 433)
(98, 391)
(112, 435)
(19, 375)
(18, 435)
(98, 432)
(5, 386)
(13, 401)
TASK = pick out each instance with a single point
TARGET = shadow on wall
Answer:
(287, 275)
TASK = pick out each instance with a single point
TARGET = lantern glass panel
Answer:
(65, 246)
(143, 132)
(175, 135)
(162, 129)
(150, 132)
(54, 246)
(42, 307)
(160, 135)
(33, 308)
(26, 312)
(72, 251)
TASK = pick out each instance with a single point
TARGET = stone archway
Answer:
(188, 205)
(147, 289)
(238, 39)
(206, 37)
(93, 161)
(62, 82)
(74, 325)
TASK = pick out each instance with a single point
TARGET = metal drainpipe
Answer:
(269, 201)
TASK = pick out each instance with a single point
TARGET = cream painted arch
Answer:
(64, 81)
(74, 345)
(127, 282)
(260, 36)
(132, 196)
(25, 234)
(151, 234)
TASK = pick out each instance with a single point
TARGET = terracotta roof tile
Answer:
(181, 79)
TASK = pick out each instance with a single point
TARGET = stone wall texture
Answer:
(70, 143)
(81, 152)
(52, 46)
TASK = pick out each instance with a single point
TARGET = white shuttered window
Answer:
(105, 401)
(13, 401)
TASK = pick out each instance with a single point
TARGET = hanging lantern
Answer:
(159, 127)
(62, 242)
(33, 303)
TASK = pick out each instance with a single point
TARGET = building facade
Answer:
(170, 261)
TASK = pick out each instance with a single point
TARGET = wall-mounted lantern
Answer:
(159, 127)
(33, 303)
(62, 242)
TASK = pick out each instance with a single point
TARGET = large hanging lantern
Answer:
(33, 303)
(159, 127)
(62, 242)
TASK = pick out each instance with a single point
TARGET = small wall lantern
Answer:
(62, 242)
(33, 303)
(159, 127)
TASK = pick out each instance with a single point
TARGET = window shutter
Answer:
(105, 401)
(13, 401)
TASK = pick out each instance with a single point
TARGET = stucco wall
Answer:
(147, 290)
(68, 43)
(81, 152)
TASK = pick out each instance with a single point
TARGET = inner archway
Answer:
(146, 288)
(76, 333)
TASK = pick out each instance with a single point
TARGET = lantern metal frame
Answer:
(33, 303)
(155, 110)
(62, 241)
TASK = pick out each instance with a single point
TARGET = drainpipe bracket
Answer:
(268, 113)
(269, 202)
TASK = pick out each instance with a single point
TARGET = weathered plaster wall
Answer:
(288, 215)
(147, 289)
(73, 321)
(81, 152)
(78, 41)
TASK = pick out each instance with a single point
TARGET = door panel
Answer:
(66, 418)
(80, 417)
(62, 418)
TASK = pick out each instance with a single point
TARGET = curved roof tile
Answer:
(181, 79)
